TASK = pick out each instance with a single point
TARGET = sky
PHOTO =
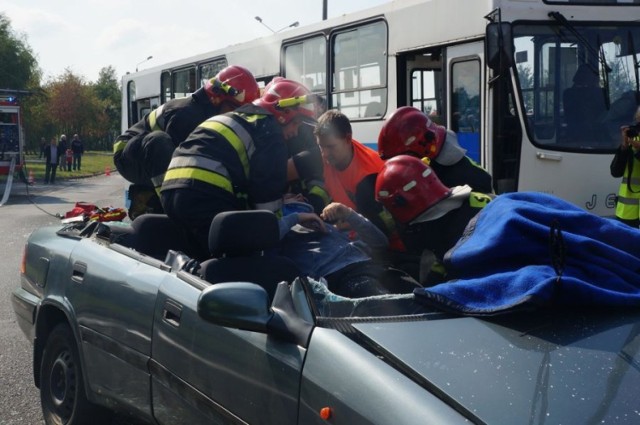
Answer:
(87, 35)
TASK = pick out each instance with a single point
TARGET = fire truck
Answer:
(11, 138)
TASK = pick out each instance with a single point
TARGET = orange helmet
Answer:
(286, 100)
(407, 187)
(409, 131)
(234, 84)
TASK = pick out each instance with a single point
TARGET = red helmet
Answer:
(407, 187)
(234, 84)
(286, 100)
(409, 131)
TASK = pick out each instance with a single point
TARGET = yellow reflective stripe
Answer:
(153, 119)
(479, 200)
(240, 131)
(233, 139)
(387, 219)
(119, 145)
(438, 268)
(252, 118)
(319, 191)
(205, 176)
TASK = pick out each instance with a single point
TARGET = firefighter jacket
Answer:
(307, 159)
(241, 152)
(626, 164)
(176, 117)
(442, 233)
(465, 171)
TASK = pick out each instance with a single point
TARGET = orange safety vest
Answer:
(342, 185)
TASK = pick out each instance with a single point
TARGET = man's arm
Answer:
(367, 231)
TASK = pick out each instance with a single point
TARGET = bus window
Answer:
(165, 86)
(184, 82)
(131, 101)
(306, 63)
(424, 94)
(359, 65)
(210, 69)
(465, 105)
(572, 100)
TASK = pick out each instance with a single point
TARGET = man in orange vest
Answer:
(350, 168)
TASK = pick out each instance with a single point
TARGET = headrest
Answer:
(235, 233)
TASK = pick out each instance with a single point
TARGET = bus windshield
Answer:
(579, 82)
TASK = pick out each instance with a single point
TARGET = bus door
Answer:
(465, 100)
(420, 83)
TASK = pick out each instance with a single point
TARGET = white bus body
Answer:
(508, 109)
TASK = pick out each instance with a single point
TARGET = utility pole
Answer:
(324, 9)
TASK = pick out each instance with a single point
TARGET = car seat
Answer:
(238, 240)
(155, 234)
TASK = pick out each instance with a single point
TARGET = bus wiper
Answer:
(606, 69)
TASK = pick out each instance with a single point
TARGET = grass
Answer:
(93, 164)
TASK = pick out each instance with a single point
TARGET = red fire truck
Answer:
(11, 138)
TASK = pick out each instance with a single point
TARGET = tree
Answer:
(107, 89)
(18, 66)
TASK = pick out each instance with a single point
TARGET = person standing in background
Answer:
(62, 148)
(626, 164)
(43, 146)
(78, 150)
(52, 158)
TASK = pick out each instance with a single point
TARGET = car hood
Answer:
(564, 368)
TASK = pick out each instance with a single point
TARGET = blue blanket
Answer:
(504, 261)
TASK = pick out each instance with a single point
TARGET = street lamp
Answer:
(139, 63)
(259, 19)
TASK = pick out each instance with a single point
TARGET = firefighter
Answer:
(304, 168)
(429, 215)
(410, 132)
(234, 161)
(143, 152)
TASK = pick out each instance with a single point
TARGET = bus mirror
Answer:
(499, 46)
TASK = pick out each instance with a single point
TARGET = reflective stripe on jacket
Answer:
(241, 152)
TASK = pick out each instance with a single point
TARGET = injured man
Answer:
(341, 257)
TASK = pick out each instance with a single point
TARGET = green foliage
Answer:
(18, 66)
(66, 104)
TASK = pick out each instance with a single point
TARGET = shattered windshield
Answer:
(579, 82)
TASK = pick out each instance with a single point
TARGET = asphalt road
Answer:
(19, 398)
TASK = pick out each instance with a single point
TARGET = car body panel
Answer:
(230, 367)
(556, 368)
(361, 388)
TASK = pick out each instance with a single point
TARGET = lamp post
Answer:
(139, 63)
(259, 19)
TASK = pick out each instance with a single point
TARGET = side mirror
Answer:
(245, 306)
(238, 305)
(499, 46)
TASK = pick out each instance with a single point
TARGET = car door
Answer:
(203, 373)
(113, 296)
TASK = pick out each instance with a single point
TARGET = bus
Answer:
(535, 89)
